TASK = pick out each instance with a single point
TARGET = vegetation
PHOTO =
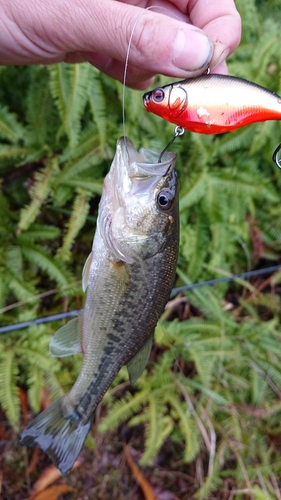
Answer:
(213, 384)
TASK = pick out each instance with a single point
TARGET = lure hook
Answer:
(178, 132)
(275, 156)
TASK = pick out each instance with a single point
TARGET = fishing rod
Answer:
(185, 288)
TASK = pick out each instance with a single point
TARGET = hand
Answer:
(178, 38)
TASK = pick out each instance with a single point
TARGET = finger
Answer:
(220, 69)
(160, 44)
(133, 77)
(221, 21)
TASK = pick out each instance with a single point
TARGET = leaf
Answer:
(139, 477)
(54, 268)
(49, 476)
(52, 493)
(38, 193)
(69, 85)
(78, 217)
(97, 102)
(9, 127)
(195, 192)
(9, 397)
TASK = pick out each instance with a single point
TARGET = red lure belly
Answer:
(213, 104)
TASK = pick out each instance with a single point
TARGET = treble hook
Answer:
(275, 156)
(178, 132)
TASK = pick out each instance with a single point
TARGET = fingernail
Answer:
(220, 54)
(192, 50)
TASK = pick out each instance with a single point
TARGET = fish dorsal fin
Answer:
(86, 271)
(67, 340)
(138, 363)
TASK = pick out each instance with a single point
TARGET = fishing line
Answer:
(186, 288)
(155, 7)
(127, 63)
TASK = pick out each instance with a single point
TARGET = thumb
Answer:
(158, 43)
(52, 31)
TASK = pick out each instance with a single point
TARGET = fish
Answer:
(213, 104)
(128, 276)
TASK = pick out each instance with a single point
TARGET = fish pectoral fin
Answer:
(86, 271)
(138, 363)
(67, 340)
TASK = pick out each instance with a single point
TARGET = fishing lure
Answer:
(214, 104)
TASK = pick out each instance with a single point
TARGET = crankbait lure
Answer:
(214, 104)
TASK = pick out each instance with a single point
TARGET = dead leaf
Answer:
(139, 477)
(23, 403)
(48, 476)
(34, 460)
(52, 493)
(45, 400)
(5, 435)
(253, 410)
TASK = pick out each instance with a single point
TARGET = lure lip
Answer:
(146, 98)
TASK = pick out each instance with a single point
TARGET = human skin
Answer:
(178, 38)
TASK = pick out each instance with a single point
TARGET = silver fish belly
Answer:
(128, 276)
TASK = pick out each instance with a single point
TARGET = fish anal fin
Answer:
(86, 271)
(61, 438)
(138, 363)
(67, 340)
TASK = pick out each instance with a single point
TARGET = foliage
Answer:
(214, 389)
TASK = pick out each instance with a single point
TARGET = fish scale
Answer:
(129, 318)
(128, 276)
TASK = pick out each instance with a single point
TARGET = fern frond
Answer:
(123, 409)
(40, 232)
(54, 268)
(97, 103)
(194, 192)
(35, 384)
(259, 494)
(87, 184)
(187, 426)
(41, 112)
(88, 153)
(69, 86)
(38, 193)
(157, 428)
(10, 128)
(78, 216)
(19, 287)
(213, 481)
(9, 399)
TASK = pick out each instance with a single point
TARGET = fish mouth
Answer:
(143, 164)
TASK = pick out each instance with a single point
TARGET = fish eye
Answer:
(158, 95)
(165, 200)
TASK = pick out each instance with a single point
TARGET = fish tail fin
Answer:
(61, 438)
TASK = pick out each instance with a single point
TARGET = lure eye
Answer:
(158, 95)
(165, 200)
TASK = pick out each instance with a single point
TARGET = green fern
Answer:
(8, 387)
(78, 216)
(69, 85)
(38, 193)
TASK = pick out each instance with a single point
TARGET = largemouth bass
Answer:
(128, 275)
